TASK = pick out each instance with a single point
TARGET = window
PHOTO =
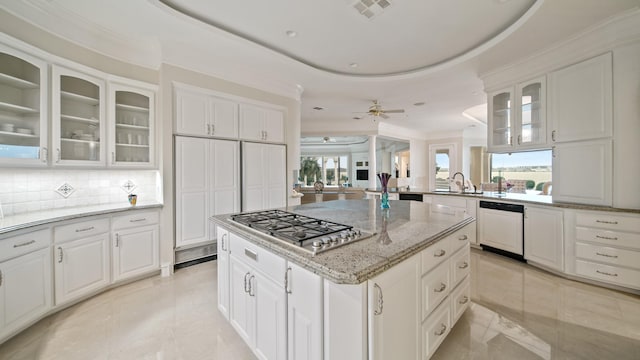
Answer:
(534, 167)
(332, 170)
(442, 169)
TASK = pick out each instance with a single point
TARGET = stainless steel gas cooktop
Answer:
(311, 234)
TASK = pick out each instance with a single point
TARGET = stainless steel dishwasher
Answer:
(501, 228)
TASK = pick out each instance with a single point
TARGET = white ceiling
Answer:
(413, 51)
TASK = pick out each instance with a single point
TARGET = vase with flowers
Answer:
(384, 180)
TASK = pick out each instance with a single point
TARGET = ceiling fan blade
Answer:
(382, 115)
(398, 111)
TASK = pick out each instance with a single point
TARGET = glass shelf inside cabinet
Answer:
(79, 119)
(19, 108)
(132, 127)
(531, 120)
(501, 118)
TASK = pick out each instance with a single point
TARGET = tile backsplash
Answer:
(27, 190)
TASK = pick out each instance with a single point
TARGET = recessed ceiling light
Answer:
(319, 108)
(353, 65)
(291, 33)
(419, 103)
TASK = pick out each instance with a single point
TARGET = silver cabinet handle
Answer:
(24, 244)
(443, 328)
(606, 255)
(607, 222)
(519, 139)
(208, 129)
(251, 293)
(606, 237)
(117, 240)
(85, 229)
(213, 129)
(378, 311)
(60, 254)
(223, 236)
(442, 288)
(251, 254)
(138, 220)
(463, 300)
(246, 289)
(553, 151)
(287, 286)
(44, 154)
(59, 156)
(511, 140)
(464, 265)
(553, 135)
(605, 273)
(463, 237)
(1, 277)
(440, 253)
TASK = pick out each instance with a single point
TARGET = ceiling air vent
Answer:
(370, 8)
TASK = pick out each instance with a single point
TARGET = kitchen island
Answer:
(395, 294)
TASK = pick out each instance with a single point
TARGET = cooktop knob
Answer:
(326, 240)
(334, 239)
(317, 244)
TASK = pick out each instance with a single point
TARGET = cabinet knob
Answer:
(442, 330)
(246, 288)
(378, 311)
(553, 135)
(251, 293)
(60, 255)
(440, 253)
(441, 288)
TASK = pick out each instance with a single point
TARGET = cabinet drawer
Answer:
(609, 255)
(258, 258)
(462, 237)
(608, 237)
(460, 266)
(609, 274)
(435, 287)
(609, 221)
(135, 219)
(435, 329)
(452, 201)
(80, 230)
(13, 246)
(435, 254)
(460, 299)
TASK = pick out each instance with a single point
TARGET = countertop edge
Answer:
(301, 258)
(72, 216)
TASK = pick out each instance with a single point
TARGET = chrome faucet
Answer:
(454, 178)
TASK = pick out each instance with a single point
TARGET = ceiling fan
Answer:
(376, 111)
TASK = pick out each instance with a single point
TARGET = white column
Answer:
(373, 178)
(386, 162)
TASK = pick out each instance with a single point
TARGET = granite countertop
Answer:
(533, 199)
(23, 221)
(410, 226)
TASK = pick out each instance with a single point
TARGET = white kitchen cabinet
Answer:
(81, 258)
(261, 124)
(24, 107)
(501, 229)
(242, 309)
(207, 184)
(199, 113)
(501, 118)
(304, 315)
(78, 116)
(135, 244)
(582, 172)
(222, 245)
(580, 101)
(25, 289)
(543, 237)
(264, 176)
(131, 125)
(394, 320)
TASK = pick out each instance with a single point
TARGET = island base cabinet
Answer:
(135, 252)
(393, 303)
(81, 267)
(242, 308)
(222, 245)
(25, 290)
(304, 316)
(435, 328)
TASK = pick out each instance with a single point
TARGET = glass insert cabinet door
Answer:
(78, 116)
(133, 126)
(500, 112)
(23, 108)
(532, 122)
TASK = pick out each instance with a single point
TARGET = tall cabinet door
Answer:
(192, 190)
(271, 317)
(78, 118)
(224, 175)
(135, 252)
(500, 129)
(304, 317)
(242, 313)
(531, 112)
(24, 108)
(224, 118)
(253, 175)
(276, 176)
(543, 236)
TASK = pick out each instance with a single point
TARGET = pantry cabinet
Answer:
(199, 113)
(78, 117)
(264, 176)
(261, 124)
(23, 108)
(131, 125)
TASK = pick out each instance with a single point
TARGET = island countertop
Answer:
(400, 232)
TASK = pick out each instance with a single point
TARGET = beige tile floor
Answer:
(518, 312)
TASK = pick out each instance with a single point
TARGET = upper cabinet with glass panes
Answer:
(23, 108)
(78, 118)
(517, 117)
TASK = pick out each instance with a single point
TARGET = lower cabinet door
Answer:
(135, 252)
(242, 306)
(271, 317)
(435, 329)
(25, 289)
(305, 316)
(223, 271)
(81, 266)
